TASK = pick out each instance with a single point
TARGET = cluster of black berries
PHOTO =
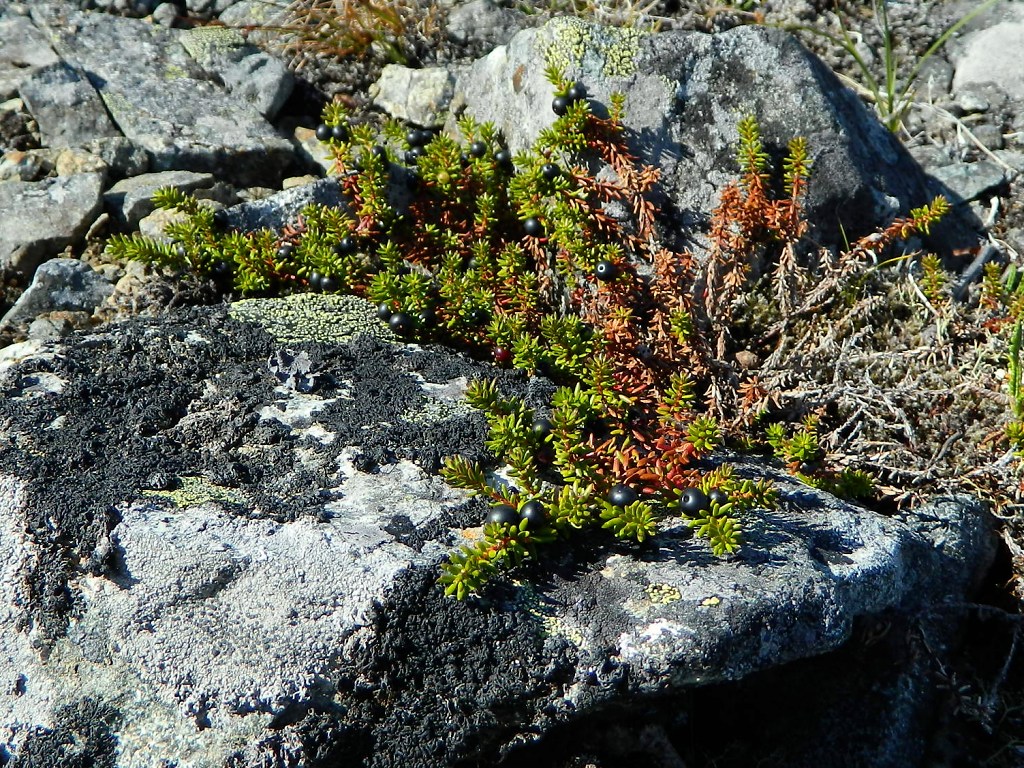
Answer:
(533, 512)
(405, 324)
(576, 92)
(325, 132)
(694, 501)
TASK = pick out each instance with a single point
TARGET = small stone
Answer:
(419, 96)
(165, 14)
(969, 181)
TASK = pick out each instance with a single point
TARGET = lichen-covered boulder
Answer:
(221, 531)
(685, 93)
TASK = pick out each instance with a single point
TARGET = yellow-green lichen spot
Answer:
(662, 594)
(327, 318)
(193, 491)
(581, 45)
(544, 611)
(203, 42)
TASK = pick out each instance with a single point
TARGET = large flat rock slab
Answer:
(225, 568)
(162, 100)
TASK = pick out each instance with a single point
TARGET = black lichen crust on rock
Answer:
(137, 404)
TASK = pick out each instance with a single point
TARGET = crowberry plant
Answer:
(518, 259)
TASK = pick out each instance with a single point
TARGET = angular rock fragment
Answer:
(66, 107)
(131, 199)
(23, 50)
(162, 100)
(41, 218)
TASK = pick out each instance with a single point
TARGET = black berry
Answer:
(477, 149)
(400, 323)
(533, 227)
(427, 318)
(329, 284)
(384, 311)
(414, 138)
(479, 316)
(323, 132)
(577, 91)
(503, 514)
(503, 158)
(181, 251)
(560, 105)
(550, 171)
(285, 251)
(541, 427)
(533, 513)
(622, 495)
(718, 496)
(693, 501)
(344, 246)
(315, 278)
(339, 133)
(380, 152)
(606, 270)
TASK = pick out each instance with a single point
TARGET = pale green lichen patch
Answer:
(193, 491)
(545, 611)
(580, 45)
(204, 42)
(444, 401)
(174, 72)
(327, 318)
(662, 594)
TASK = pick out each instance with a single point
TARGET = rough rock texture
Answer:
(246, 71)
(60, 285)
(24, 51)
(984, 56)
(42, 217)
(282, 208)
(420, 96)
(162, 100)
(685, 93)
(132, 199)
(244, 572)
(67, 108)
(483, 23)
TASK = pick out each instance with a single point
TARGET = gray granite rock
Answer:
(208, 7)
(122, 156)
(251, 569)
(483, 24)
(129, 200)
(986, 55)
(162, 100)
(420, 96)
(66, 107)
(41, 218)
(685, 93)
(248, 73)
(963, 182)
(64, 285)
(166, 14)
(282, 208)
(23, 50)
